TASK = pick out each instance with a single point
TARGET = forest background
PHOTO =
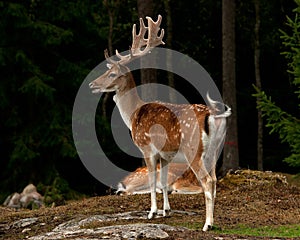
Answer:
(48, 47)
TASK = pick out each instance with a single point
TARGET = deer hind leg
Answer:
(214, 184)
(152, 173)
(208, 185)
(207, 182)
(164, 182)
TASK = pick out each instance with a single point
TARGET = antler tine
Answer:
(154, 27)
(139, 40)
(107, 57)
(123, 59)
(141, 46)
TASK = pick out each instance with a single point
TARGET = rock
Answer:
(34, 199)
(23, 222)
(85, 227)
(30, 188)
(29, 198)
(26, 230)
(116, 232)
(13, 201)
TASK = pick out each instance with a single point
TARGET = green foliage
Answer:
(47, 49)
(41, 69)
(58, 192)
(286, 125)
(292, 42)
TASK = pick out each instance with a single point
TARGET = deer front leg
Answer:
(164, 182)
(151, 164)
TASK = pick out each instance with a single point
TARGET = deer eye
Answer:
(112, 75)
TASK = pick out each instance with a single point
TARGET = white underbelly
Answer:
(176, 157)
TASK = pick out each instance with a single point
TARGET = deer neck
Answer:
(128, 100)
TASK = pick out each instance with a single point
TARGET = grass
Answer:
(282, 231)
(286, 231)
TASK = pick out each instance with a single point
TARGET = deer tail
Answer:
(218, 109)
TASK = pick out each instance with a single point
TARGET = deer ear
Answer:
(123, 70)
(109, 66)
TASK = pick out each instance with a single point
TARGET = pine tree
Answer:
(285, 124)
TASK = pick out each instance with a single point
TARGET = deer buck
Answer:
(164, 131)
(181, 180)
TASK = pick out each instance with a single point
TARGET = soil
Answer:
(244, 198)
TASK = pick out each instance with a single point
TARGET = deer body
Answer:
(181, 180)
(166, 132)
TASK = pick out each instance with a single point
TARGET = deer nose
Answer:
(91, 84)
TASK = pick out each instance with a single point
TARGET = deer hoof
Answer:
(207, 227)
(167, 213)
(151, 215)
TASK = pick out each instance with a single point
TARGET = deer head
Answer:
(115, 78)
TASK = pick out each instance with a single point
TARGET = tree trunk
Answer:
(145, 8)
(258, 85)
(112, 7)
(231, 151)
(170, 75)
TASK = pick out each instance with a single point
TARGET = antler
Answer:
(141, 45)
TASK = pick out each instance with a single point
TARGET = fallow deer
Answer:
(164, 131)
(181, 180)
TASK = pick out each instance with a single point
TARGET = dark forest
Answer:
(47, 48)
